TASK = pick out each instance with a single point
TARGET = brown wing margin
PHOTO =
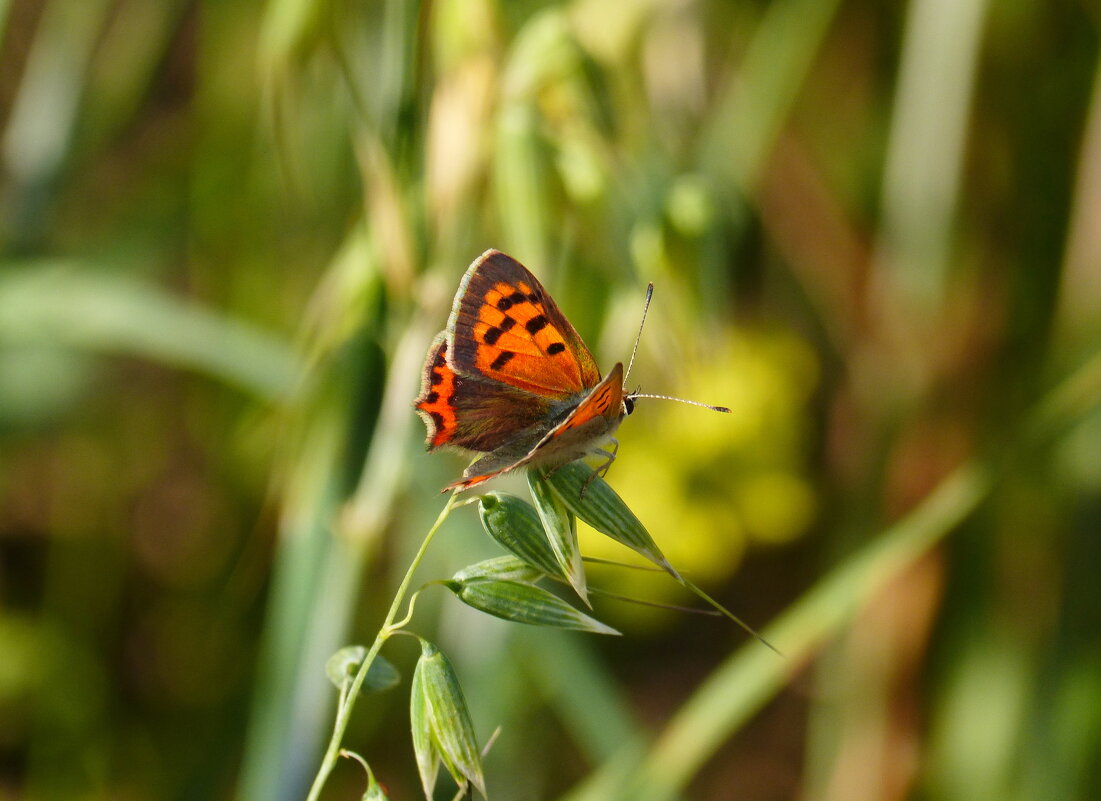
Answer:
(434, 404)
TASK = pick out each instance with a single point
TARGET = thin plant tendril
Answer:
(344, 710)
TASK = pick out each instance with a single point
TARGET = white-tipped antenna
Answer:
(634, 350)
(634, 395)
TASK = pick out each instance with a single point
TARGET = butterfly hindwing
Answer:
(591, 422)
(435, 404)
(505, 327)
(469, 413)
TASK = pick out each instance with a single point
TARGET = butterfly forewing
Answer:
(507, 328)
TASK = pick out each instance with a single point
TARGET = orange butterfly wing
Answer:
(470, 413)
(435, 404)
(510, 377)
(505, 327)
(604, 402)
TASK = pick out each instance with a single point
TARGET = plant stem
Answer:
(344, 710)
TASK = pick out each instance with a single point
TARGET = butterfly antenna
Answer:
(645, 308)
(634, 395)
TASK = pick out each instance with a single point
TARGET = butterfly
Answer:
(511, 379)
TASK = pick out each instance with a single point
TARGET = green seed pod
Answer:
(428, 758)
(525, 603)
(515, 524)
(503, 568)
(591, 498)
(452, 732)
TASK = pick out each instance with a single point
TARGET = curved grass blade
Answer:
(515, 524)
(590, 497)
(750, 676)
(561, 532)
(70, 304)
(525, 603)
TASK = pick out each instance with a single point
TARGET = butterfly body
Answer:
(510, 378)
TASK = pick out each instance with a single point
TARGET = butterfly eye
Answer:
(628, 405)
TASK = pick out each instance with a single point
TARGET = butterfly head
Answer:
(629, 398)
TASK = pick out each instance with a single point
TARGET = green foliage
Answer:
(228, 232)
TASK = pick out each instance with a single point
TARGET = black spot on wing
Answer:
(536, 324)
(437, 418)
(437, 377)
(555, 348)
(431, 397)
(506, 324)
(491, 335)
(503, 358)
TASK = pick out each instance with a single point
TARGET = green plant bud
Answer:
(341, 668)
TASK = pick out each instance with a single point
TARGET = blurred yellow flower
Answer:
(706, 485)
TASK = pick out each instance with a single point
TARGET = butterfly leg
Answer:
(603, 469)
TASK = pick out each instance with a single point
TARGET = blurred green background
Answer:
(229, 230)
